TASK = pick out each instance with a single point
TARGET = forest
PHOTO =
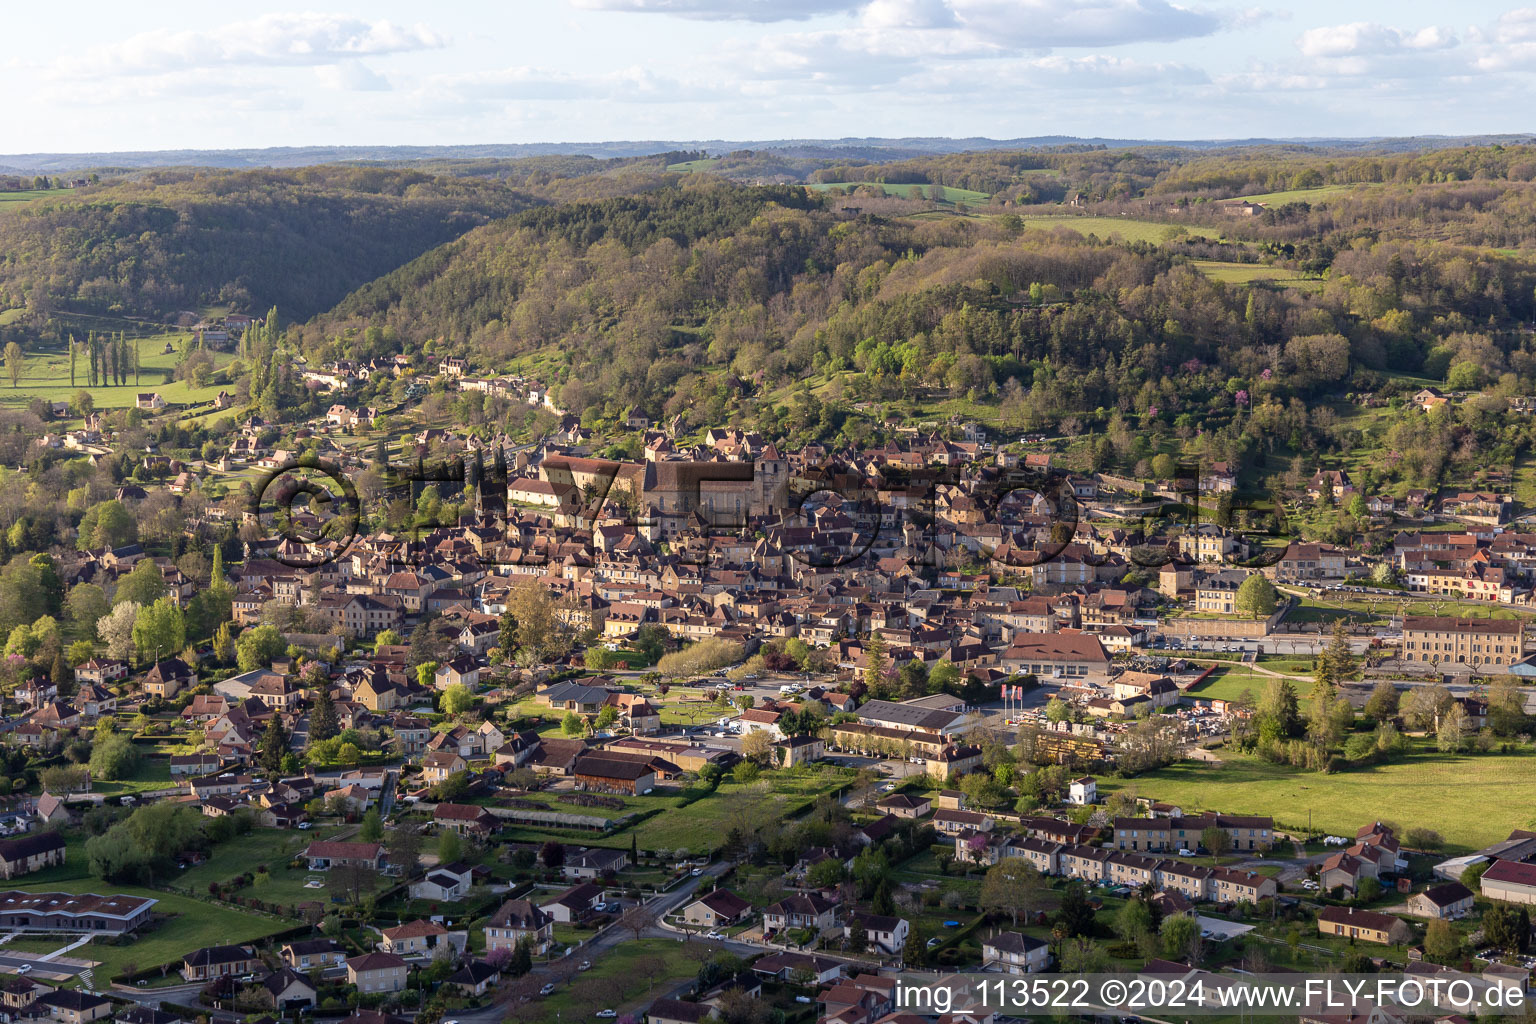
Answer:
(171, 240)
(628, 287)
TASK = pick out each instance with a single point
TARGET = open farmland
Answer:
(15, 200)
(1107, 227)
(938, 193)
(1301, 195)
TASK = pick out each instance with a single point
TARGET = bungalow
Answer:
(73, 1006)
(466, 819)
(594, 863)
(718, 908)
(678, 1011)
(1447, 901)
(575, 904)
(149, 400)
(821, 970)
(474, 978)
(377, 972)
(308, 953)
(30, 853)
(324, 855)
(1365, 925)
(218, 961)
(903, 805)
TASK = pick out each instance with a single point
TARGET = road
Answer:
(560, 971)
(9, 964)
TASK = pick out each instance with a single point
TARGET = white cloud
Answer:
(1367, 39)
(727, 10)
(1050, 23)
(519, 86)
(1033, 23)
(353, 76)
(296, 39)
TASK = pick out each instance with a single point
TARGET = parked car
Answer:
(585, 965)
(606, 1013)
(547, 989)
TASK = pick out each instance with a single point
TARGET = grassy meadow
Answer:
(938, 193)
(1249, 273)
(45, 375)
(1301, 195)
(15, 200)
(1107, 227)
(1470, 800)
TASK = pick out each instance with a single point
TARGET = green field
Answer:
(1108, 227)
(45, 374)
(195, 924)
(623, 978)
(1248, 273)
(1300, 195)
(701, 826)
(939, 193)
(1471, 801)
(690, 166)
(1229, 684)
(243, 854)
(14, 200)
(151, 774)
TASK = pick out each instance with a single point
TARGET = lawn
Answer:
(701, 826)
(14, 200)
(1229, 684)
(1107, 227)
(1467, 799)
(690, 166)
(622, 978)
(273, 847)
(1327, 609)
(1300, 195)
(192, 925)
(151, 774)
(45, 374)
(1248, 273)
(938, 193)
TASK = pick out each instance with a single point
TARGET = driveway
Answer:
(1221, 928)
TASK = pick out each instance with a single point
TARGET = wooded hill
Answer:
(173, 240)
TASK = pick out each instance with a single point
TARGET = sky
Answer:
(93, 76)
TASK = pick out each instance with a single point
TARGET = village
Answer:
(733, 730)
